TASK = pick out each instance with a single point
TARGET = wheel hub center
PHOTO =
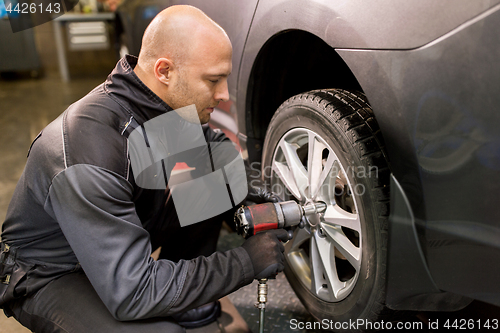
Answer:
(311, 212)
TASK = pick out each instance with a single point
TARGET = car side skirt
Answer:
(409, 283)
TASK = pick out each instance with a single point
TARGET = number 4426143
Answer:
(33, 8)
(467, 324)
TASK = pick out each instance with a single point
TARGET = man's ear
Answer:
(163, 70)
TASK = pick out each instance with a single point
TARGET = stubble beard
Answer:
(185, 99)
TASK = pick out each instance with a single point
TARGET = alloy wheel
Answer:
(326, 253)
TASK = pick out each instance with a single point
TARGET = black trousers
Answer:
(70, 303)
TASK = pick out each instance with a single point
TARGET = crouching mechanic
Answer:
(79, 232)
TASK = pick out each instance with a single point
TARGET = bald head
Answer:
(176, 33)
(186, 59)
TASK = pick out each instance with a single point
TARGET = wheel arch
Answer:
(290, 63)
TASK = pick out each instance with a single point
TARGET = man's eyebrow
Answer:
(219, 75)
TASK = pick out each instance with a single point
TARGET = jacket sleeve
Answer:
(95, 211)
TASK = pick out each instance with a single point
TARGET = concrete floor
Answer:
(27, 106)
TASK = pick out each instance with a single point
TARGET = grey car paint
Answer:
(382, 24)
(359, 24)
(440, 106)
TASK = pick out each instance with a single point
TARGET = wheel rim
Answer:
(326, 254)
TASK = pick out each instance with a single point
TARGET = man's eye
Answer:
(214, 81)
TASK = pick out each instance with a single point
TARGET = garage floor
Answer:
(28, 105)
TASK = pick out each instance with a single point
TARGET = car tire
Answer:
(336, 262)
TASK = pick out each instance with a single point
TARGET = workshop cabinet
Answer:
(17, 50)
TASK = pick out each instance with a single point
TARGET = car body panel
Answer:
(409, 282)
(436, 107)
(382, 24)
(387, 24)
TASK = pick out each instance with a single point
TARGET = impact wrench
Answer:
(250, 220)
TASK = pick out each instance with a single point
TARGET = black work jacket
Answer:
(76, 205)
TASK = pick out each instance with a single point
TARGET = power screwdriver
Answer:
(250, 220)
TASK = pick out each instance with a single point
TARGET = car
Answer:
(387, 112)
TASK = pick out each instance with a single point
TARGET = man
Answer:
(79, 232)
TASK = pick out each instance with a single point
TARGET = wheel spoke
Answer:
(314, 162)
(343, 245)
(316, 268)
(331, 171)
(334, 215)
(322, 256)
(286, 177)
(296, 167)
(300, 237)
(317, 172)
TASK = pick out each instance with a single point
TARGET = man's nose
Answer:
(222, 93)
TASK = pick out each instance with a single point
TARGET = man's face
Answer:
(202, 80)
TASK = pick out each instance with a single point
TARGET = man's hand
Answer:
(260, 195)
(266, 252)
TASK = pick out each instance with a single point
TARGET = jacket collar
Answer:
(125, 87)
